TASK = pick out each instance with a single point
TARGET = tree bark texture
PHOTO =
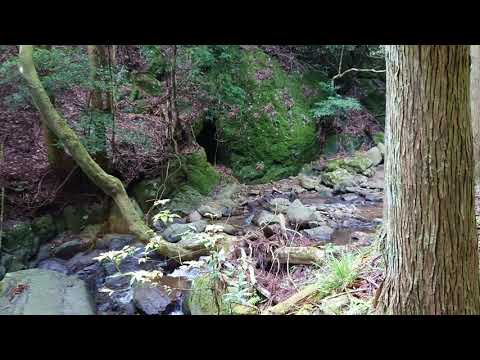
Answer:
(431, 246)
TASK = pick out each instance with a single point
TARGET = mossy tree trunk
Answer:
(431, 246)
(475, 104)
(107, 183)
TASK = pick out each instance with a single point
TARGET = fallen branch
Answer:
(299, 255)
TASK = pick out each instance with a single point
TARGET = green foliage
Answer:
(59, 68)
(334, 106)
(155, 58)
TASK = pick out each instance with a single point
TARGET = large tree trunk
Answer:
(475, 104)
(108, 183)
(431, 247)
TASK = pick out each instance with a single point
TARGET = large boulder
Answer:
(44, 292)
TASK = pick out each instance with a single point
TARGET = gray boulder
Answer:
(298, 214)
(279, 205)
(44, 292)
(375, 155)
(175, 232)
(211, 211)
(265, 218)
(320, 233)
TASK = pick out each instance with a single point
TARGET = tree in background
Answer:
(431, 246)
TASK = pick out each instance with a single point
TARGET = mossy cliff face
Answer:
(273, 134)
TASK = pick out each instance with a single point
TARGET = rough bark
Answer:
(288, 305)
(431, 246)
(109, 184)
(475, 104)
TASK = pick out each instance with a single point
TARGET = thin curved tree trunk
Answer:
(475, 104)
(109, 184)
(431, 246)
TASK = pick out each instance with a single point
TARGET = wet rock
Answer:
(265, 218)
(53, 265)
(70, 248)
(92, 275)
(82, 260)
(117, 281)
(279, 205)
(320, 233)
(211, 211)
(194, 216)
(175, 232)
(350, 197)
(309, 182)
(375, 155)
(121, 301)
(44, 293)
(298, 214)
(151, 299)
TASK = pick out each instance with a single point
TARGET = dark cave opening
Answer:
(207, 138)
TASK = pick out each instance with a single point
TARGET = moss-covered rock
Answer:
(340, 179)
(273, 134)
(186, 200)
(76, 218)
(206, 298)
(189, 176)
(200, 174)
(44, 227)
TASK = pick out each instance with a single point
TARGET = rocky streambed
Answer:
(337, 202)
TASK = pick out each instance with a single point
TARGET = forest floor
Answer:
(331, 264)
